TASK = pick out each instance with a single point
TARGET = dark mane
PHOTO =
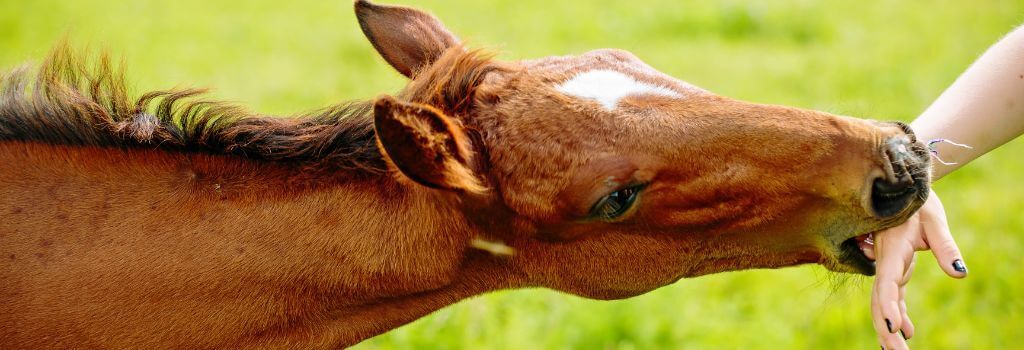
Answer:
(72, 102)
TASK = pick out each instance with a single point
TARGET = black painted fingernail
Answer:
(888, 325)
(959, 266)
(904, 335)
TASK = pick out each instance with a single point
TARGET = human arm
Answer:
(983, 108)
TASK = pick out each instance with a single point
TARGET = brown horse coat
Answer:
(169, 221)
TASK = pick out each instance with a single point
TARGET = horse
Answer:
(169, 220)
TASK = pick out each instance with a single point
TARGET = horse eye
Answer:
(615, 204)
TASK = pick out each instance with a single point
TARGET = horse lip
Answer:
(851, 256)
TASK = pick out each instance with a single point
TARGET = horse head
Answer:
(608, 178)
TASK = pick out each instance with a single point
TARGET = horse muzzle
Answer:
(903, 185)
(893, 194)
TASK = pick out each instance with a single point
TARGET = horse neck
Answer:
(422, 238)
(482, 273)
(357, 255)
(401, 252)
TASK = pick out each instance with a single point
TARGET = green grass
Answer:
(877, 59)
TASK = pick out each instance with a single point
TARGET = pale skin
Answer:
(984, 109)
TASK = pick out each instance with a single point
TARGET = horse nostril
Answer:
(905, 175)
(888, 199)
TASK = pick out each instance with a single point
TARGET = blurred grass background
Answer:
(876, 59)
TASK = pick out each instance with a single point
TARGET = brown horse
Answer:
(169, 221)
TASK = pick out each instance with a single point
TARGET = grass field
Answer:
(876, 59)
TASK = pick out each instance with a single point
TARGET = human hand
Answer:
(894, 249)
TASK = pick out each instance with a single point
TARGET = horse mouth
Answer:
(858, 253)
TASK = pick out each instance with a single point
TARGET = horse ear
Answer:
(408, 39)
(425, 145)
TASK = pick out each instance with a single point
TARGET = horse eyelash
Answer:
(608, 209)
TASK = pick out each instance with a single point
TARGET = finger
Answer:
(888, 305)
(877, 320)
(896, 255)
(907, 328)
(886, 339)
(894, 342)
(882, 318)
(940, 240)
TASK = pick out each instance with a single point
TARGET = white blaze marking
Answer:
(608, 87)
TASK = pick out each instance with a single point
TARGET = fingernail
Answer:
(904, 335)
(959, 266)
(888, 325)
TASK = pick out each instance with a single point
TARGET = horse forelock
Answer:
(450, 83)
(74, 102)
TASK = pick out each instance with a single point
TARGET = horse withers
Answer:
(169, 221)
